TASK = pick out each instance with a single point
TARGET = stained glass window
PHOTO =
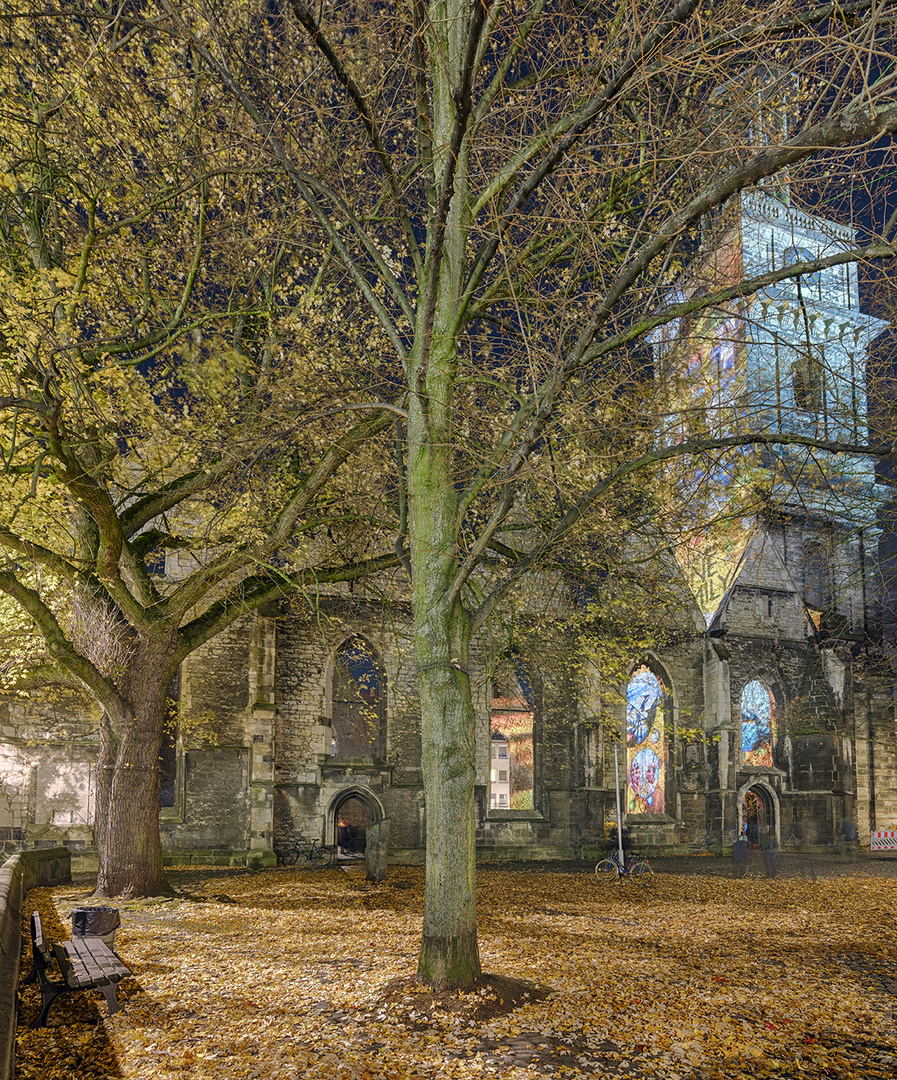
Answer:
(645, 744)
(757, 711)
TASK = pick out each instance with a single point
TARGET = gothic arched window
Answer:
(358, 696)
(806, 381)
(757, 716)
(816, 576)
(512, 765)
(645, 743)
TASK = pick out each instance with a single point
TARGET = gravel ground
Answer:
(789, 864)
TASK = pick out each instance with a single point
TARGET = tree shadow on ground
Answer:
(495, 995)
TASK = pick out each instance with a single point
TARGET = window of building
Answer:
(168, 761)
(512, 742)
(816, 576)
(357, 700)
(645, 744)
(806, 381)
(757, 713)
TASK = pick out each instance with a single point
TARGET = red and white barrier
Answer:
(884, 840)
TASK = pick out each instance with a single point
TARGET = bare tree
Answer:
(511, 190)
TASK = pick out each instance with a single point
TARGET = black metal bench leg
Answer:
(48, 994)
(111, 1000)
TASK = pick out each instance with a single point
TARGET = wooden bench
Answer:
(86, 963)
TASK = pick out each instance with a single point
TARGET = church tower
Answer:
(777, 550)
(806, 354)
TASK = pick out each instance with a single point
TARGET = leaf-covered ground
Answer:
(286, 974)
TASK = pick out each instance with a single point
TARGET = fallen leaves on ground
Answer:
(288, 974)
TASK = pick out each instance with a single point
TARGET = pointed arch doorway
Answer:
(757, 815)
(351, 812)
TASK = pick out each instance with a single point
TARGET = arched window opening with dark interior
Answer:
(358, 693)
(512, 756)
(169, 751)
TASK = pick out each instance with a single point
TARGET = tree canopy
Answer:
(495, 198)
(171, 398)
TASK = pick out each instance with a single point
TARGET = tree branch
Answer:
(321, 42)
(59, 647)
(687, 447)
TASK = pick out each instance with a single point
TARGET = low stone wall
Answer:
(23, 871)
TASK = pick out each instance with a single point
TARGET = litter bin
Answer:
(101, 922)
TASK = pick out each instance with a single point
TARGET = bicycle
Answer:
(702, 847)
(611, 869)
(318, 855)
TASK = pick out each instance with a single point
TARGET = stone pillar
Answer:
(721, 809)
(376, 850)
(863, 765)
(262, 657)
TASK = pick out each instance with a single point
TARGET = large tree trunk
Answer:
(127, 813)
(105, 769)
(449, 954)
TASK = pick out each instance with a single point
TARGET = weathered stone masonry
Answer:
(256, 768)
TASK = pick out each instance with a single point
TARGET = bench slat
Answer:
(85, 964)
(97, 956)
(37, 938)
(96, 964)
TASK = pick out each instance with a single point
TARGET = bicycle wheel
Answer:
(607, 871)
(321, 856)
(641, 871)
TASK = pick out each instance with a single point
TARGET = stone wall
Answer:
(256, 768)
(48, 751)
(20, 873)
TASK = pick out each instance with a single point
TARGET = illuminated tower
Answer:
(776, 549)
(790, 359)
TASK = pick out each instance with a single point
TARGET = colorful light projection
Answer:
(712, 559)
(713, 376)
(645, 744)
(757, 712)
(712, 486)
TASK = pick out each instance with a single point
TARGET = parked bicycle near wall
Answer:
(612, 869)
(316, 854)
